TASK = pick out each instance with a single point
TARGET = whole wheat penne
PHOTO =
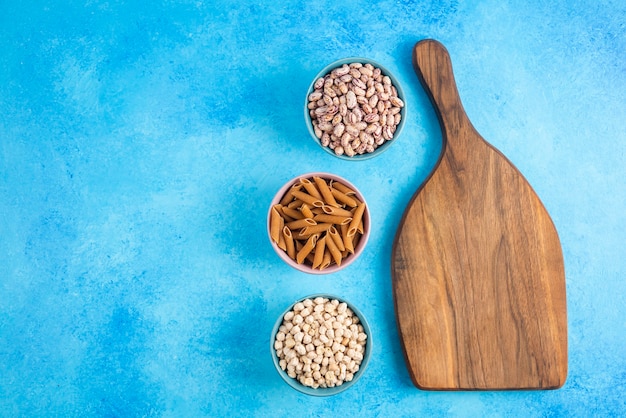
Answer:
(356, 219)
(287, 197)
(310, 188)
(301, 223)
(289, 244)
(276, 223)
(307, 198)
(314, 229)
(318, 222)
(292, 213)
(343, 188)
(325, 191)
(306, 211)
(334, 251)
(306, 248)
(281, 242)
(320, 246)
(331, 210)
(343, 198)
(333, 219)
(295, 204)
(326, 260)
(334, 235)
(347, 240)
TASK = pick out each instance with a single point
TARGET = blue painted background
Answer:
(141, 143)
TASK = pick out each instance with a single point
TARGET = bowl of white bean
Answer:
(355, 109)
(321, 345)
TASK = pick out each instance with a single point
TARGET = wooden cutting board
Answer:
(478, 277)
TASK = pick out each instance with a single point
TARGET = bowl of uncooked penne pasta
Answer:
(318, 223)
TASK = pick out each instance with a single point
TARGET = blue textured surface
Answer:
(140, 144)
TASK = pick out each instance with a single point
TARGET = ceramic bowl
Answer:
(380, 149)
(295, 384)
(306, 267)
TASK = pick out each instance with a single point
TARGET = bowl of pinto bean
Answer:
(355, 109)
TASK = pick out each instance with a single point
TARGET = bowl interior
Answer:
(322, 391)
(357, 250)
(385, 71)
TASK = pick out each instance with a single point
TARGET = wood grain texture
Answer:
(477, 268)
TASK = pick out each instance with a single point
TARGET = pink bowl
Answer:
(334, 267)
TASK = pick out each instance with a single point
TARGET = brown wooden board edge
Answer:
(444, 140)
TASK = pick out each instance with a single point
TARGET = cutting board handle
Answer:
(433, 67)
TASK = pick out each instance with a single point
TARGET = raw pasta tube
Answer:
(295, 204)
(287, 197)
(307, 198)
(356, 219)
(306, 211)
(347, 240)
(310, 188)
(326, 260)
(334, 235)
(327, 195)
(281, 242)
(320, 246)
(344, 198)
(276, 223)
(289, 244)
(301, 223)
(306, 249)
(315, 229)
(343, 188)
(293, 213)
(334, 251)
(331, 210)
(333, 219)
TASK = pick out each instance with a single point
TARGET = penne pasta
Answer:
(319, 252)
(306, 249)
(318, 222)
(289, 244)
(276, 223)
(315, 229)
(343, 188)
(295, 204)
(334, 251)
(306, 211)
(347, 240)
(326, 260)
(333, 219)
(293, 213)
(307, 198)
(310, 188)
(356, 219)
(301, 223)
(343, 198)
(281, 242)
(287, 197)
(325, 191)
(331, 210)
(334, 235)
